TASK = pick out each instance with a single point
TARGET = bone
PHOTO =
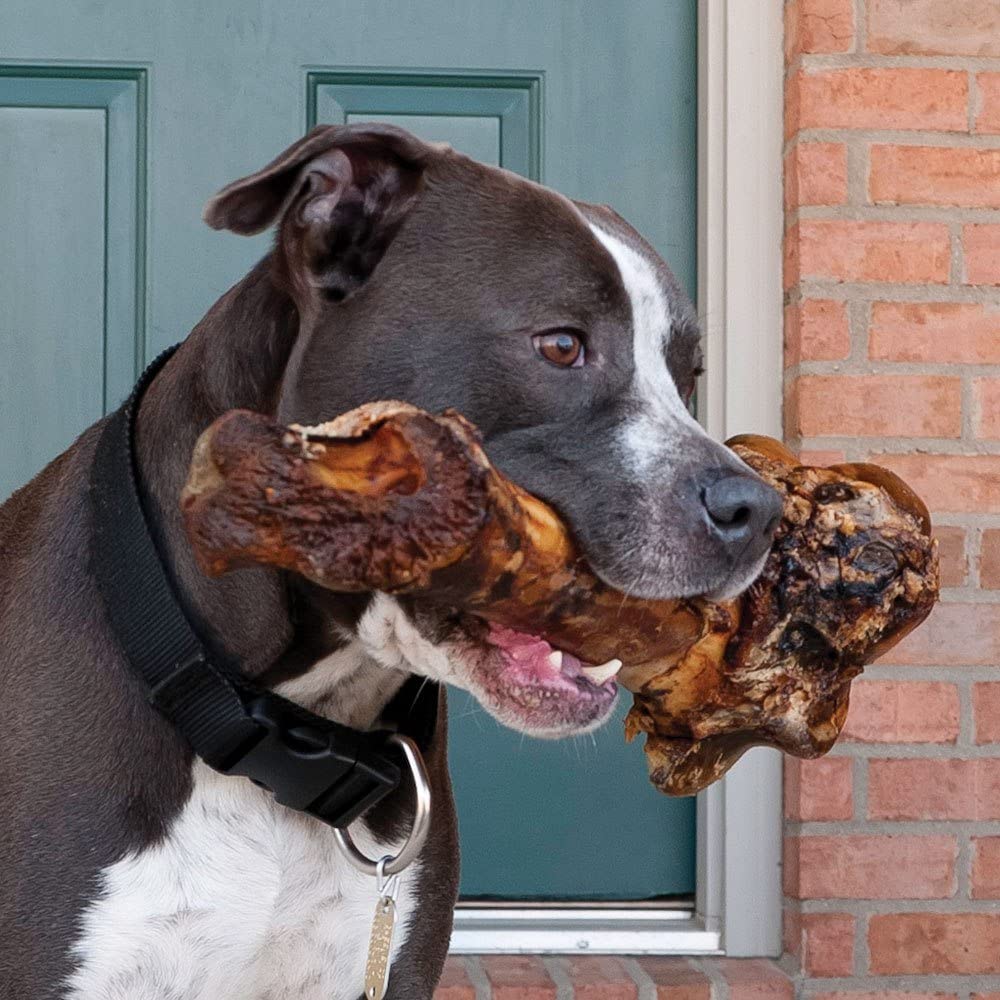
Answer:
(852, 570)
(390, 498)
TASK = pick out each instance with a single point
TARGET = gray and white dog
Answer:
(402, 270)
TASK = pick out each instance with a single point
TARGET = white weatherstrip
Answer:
(661, 407)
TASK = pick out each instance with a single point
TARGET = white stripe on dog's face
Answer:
(661, 408)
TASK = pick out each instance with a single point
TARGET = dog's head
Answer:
(423, 276)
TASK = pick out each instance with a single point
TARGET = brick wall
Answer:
(892, 334)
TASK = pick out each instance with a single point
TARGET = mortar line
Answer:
(477, 976)
(556, 970)
(644, 983)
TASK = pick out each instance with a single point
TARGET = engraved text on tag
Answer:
(379, 945)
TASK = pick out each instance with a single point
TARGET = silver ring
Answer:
(421, 820)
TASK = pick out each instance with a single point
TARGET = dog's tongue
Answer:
(535, 654)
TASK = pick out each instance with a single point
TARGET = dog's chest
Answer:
(242, 901)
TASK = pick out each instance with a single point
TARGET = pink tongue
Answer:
(529, 650)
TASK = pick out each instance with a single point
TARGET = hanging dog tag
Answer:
(379, 945)
(380, 941)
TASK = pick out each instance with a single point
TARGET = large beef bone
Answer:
(389, 498)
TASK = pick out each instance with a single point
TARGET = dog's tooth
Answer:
(554, 659)
(603, 673)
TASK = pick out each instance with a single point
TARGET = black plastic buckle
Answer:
(331, 772)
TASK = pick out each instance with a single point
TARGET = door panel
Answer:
(50, 383)
(478, 137)
(596, 100)
(494, 117)
(72, 163)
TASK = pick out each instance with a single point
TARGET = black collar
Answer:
(308, 763)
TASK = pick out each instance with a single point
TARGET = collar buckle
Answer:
(313, 765)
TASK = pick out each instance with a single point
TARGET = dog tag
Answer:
(379, 946)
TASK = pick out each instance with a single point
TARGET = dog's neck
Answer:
(273, 625)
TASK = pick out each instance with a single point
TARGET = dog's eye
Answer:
(560, 347)
(688, 391)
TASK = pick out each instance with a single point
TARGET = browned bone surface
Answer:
(852, 569)
(389, 498)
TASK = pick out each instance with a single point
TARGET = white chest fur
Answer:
(243, 900)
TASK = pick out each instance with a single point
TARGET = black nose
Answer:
(743, 512)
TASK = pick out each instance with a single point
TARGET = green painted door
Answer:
(119, 118)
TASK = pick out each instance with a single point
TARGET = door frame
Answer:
(737, 908)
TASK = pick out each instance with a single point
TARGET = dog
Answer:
(400, 270)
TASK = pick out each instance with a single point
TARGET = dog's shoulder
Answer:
(42, 514)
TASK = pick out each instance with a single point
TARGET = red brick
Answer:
(817, 790)
(951, 550)
(816, 330)
(599, 977)
(455, 983)
(883, 99)
(676, 978)
(818, 26)
(961, 483)
(982, 254)
(870, 867)
(793, 101)
(947, 332)
(883, 995)
(986, 996)
(845, 250)
(828, 944)
(954, 635)
(791, 269)
(986, 711)
(815, 174)
(934, 27)
(986, 868)
(988, 104)
(791, 926)
(902, 712)
(927, 943)
(935, 175)
(986, 394)
(879, 405)
(988, 115)
(989, 559)
(518, 977)
(752, 979)
(934, 789)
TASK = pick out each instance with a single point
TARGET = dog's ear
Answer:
(344, 188)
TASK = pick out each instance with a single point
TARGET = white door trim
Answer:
(740, 128)
(740, 114)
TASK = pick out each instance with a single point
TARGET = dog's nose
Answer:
(743, 512)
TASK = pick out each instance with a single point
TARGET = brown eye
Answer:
(560, 348)
(690, 386)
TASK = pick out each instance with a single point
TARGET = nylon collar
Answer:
(308, 763)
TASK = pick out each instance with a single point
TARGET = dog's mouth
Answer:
(533, 687)
(521, 679)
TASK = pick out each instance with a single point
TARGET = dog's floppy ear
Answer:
(346, 188)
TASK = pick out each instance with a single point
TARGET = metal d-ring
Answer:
(418, 832)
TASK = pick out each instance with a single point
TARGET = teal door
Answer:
(119, 118)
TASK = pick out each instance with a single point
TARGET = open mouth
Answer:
(533, 687)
